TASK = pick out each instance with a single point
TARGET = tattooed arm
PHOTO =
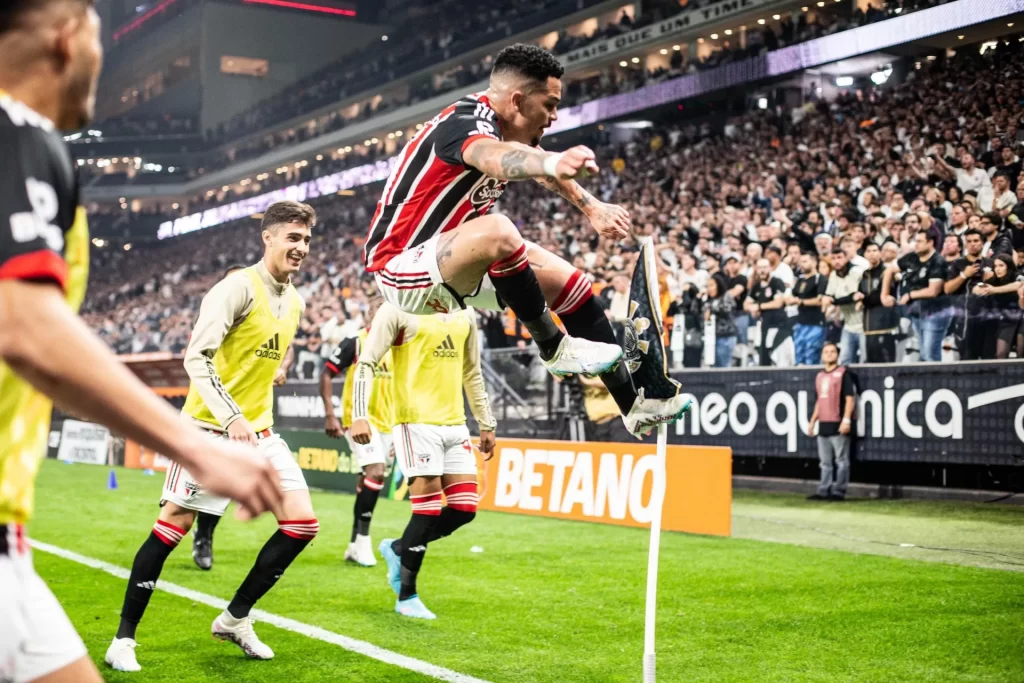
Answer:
(608, 219)
(515, 161)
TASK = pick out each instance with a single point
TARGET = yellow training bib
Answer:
(250, 356)
(427, 372)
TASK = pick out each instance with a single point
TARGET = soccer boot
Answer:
(648, 413)
(414, 607)
(121, 655)
(202, 552)
(362, 552)
(240, 632)
(576, 356)
(394, 563)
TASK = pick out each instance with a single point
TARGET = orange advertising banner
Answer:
(610, 483)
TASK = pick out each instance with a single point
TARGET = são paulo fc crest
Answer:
(633, 345)
(191, 490)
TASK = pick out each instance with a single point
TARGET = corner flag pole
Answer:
(644, 354)
(651, 605)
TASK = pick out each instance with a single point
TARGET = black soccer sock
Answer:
(449, 522)
(462, 498)
(205, 524)
(414, 547)
(516, 284)
(366, 501)
(146, 568)
(588, 321)
(275, 557)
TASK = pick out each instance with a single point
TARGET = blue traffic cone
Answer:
(112, 481)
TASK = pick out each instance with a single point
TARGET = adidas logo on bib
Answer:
(446, 349)
(271, 350)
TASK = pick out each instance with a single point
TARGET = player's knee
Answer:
(504, 238)
(374, 473)
(300, 529)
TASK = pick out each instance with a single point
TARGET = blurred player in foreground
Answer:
(373, 455)
(434, 358)
(433, 247)
(246, 322)
(50, 58)
(202, 531)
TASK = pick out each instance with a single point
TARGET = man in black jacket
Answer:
(880, 323)
(997, 240)
(978, 333)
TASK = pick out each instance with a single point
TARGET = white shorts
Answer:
(433, 450)
(36, 636)
(411, 281)
(374, 453)
(181, 488)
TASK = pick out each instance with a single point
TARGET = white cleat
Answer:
(239, 631)
(648, 413)
(576, 356)
(362, 552)
(121, 655)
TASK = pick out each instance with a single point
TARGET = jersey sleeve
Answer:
(31, 244)
(344, 355)
(454, 133)
(938, 269)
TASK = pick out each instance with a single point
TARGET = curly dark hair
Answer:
(531, 61)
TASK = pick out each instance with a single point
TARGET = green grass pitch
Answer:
(804, 592)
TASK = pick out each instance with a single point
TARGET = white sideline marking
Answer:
(344, 642)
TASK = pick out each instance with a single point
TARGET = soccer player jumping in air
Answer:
(246, 323)
(372, 455)
(433, 247)
(434, 358)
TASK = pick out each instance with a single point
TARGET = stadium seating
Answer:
(760, 178)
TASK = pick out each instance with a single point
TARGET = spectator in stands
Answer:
(968, 177)
(780, 269)
(765, 303)
(952, 248)
(809, 330)
(971, 322)
(880, 323)
(736, 285)
(851, 248)
(1001, 291)
(843, 284)
(998, 197)
(922, 276)
(833, 416)
(718, 302)
(997, 240)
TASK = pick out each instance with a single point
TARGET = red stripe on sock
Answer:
(304, 530)
(463, 507)
(373, 485)
(460, 487)
(171, 527)
(575, 293)
(508, 260)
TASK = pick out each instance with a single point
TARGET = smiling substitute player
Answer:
(50, 57)
(245, 325)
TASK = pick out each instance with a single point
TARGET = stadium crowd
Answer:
(339, 80)
(781, 225)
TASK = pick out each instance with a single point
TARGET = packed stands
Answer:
(767, 177)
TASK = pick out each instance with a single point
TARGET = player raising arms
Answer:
(371, 456)
(433, 247)
(50, 58)
(245, 324)
(434, 358)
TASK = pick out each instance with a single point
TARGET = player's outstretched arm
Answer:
(43, 341)
(476, 391)
(516, 161)
(609, 220)
(343, 356)
(388, 323)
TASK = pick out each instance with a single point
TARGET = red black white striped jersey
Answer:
(431, 189)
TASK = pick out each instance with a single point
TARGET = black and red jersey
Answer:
(432, 190)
